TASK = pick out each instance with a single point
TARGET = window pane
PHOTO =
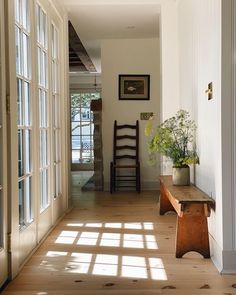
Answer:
(27, 151)
(25, 15)
(28, 200)
(54, 146)
(27, 104)
(75, 114)
(42, 28)
(26, 55)
(86, 128)
(38, 23)
(56, 136)
(54, 77)
(86, 142)
(56, 111)
(41, 108)
(44, 69)
(43, 148)
(85, 114)
(21, 203)
(54, 43)
(45, 108)
(75, 128)
(39, 66)
(76, 155)
(18, 51)
(17, 10)
(57, 183)
(19, 102)
(76, 142)
(44, 188)
(20, 153)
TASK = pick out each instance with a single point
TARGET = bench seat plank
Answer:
(185, 194)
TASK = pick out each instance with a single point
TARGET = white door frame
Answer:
(3, 179)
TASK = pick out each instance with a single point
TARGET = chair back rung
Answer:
(125, 157)
(126, 126)
(126, 147)
(125, 186)
(126, 137)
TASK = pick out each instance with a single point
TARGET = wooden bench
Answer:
(193, 207)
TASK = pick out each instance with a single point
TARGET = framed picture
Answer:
(134, 87)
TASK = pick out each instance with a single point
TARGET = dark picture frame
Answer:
(134, 87)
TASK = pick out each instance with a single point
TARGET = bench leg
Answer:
(192, 235)
(165, 204)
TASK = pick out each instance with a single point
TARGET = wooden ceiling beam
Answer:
(77, 46)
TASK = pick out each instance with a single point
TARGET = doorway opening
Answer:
(83, 130)
(82, 127)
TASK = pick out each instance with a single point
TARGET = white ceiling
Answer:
(95, 20)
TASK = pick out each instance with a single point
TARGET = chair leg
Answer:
(111, 177)
(138, 185)
(114, 179)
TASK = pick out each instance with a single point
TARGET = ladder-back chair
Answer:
(125, 168)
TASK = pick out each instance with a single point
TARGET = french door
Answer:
(3, 144)
(35, 84)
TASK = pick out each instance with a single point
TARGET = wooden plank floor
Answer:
(117, 244)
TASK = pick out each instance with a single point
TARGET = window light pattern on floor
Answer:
(108, 236)
(112, 265)
(99, 238)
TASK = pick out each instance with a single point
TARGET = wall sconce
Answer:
(209, 91)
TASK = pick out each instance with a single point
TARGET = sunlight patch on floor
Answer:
(115, 239)
(126, 266)
(127, 225)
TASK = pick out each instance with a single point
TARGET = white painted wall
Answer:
(169, 68)
(200, 63)
(169, 59)
(129, 56)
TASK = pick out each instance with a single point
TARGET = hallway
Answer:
(116, 244)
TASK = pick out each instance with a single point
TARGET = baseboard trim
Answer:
(216, 253)
(229, 262)
(224, 261)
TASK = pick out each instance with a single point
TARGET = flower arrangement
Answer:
(174, 138)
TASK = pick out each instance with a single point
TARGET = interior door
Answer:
(3, 166)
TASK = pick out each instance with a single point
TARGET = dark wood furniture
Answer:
(193, 207)
(125, 167)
